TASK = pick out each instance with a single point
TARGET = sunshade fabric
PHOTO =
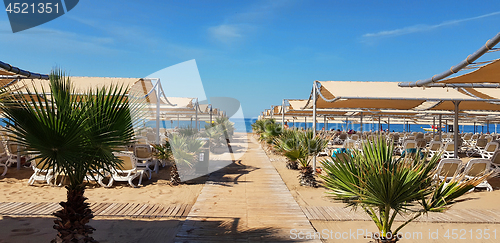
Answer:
(489, 73)
(388, 95)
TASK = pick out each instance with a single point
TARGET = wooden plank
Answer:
(181, 210)
(125, 209)
(4, 204)
(36, 207)
(48, 208)
(131, 209)
(117, 209)
(163, 212)
(12, 210)
(168, 213)
(176, 209)
(104, 207)
(151, 211)
(146, 210)
(139, 210)
(318, 213)
(7, 207)
(187, 210)
(307, 213)
(26, 209)
(97, 207)
(18, 208)
(158, 211)
(109, 208)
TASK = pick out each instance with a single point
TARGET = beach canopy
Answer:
(388, 95)
(485, 78)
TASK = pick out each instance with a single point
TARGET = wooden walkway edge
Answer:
(133, 210)
(483, 216)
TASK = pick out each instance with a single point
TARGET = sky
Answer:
(259, 52)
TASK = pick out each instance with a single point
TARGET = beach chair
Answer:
(467, 139)
(151, 137)
(477, 168)
(421, 143)
(407, 145)
(489, 150)
(448, 151)
(434, 148)
(479, 145)
(127, 172)
(12, 150)
(144, 156)
(340, 138)
(355, 137)
(41, 173)
(349, 144)
(495, 163)
(447, 169)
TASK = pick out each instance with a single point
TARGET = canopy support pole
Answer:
(211, 115)
(433, 126)
(196, 115)
(388, 124)
(455, 128)
(439, 131)
(324, 123)
(158, 95)
(487, 126)
(315, 98)
(305, 122)
(361, 122)
(404, 124)
(379, 125)
(283, 113)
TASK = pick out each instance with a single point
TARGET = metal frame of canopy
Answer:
(456, 98)
(488, 47)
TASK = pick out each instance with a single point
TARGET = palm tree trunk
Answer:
(72, 218)
(175, 179)
(292, 165)
(307, 178)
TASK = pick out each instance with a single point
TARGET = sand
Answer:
(14, 188)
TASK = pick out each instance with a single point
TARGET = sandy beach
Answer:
(158, 191)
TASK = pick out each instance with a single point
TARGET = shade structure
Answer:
(469, 62)
(388, 95)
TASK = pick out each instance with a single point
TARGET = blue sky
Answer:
(258, 52)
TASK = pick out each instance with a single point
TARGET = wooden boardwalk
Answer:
(483, 216)
(246, 201)
(134, 210)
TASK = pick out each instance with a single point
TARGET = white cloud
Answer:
(237, 26)
(225, 33)
(423, 27)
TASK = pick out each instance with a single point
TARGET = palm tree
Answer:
(313, 144)
(289, 144)
(185, 150)
(75, 135)
(384, 186)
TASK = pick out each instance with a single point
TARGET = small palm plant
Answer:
(289, 144)
(385, 186)
(74, 135)
(312, 145)
(184, 150)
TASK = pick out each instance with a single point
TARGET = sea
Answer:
(245, 125)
